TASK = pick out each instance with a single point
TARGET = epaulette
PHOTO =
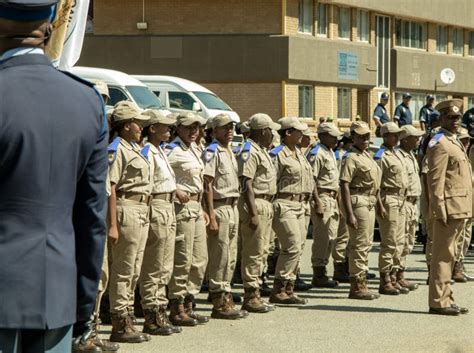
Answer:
(276, 150)
(163, 144)
(236, 150)
(77, 78)
(170, 147)
(337, 153)
(347, 153)
(435, 139)
(379, 153)
(112, 149)
(311, 156)
(210, 152)
(145, 151)
(245, 153)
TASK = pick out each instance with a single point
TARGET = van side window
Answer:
(116, 95)
(180, 100)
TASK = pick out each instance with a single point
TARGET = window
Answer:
(471, 43)
(344, 103)
(439, 98)
(410, 34)
(305, 102)
(144, 97)
(458, 41)
(344, 27)
(180, 100)
(442, 39)
(116, 95)
(305, 24)
(211, 101)
(363, 25)
(470, 102)
(417, 101)
(322, 19)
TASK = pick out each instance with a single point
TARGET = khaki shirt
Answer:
(360, 171)
(187, 165)
(222, 167)
(449, 178)
(258, 167)
(413, 173)
(294, 174)
(326, 169)
(394, 174)
(163, 178)
(129, 170)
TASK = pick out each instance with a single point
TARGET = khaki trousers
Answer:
(360, 241)
(324, 230)
(289, 224)
(442, 261)
(104, 279)
(190, 252)
(159, 254)
(464, 240)
(127, 254)
(222, 248)
(255, 243)
(411, 225)
(392, 233)
(429, 239)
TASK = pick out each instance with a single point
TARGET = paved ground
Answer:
(332, 323)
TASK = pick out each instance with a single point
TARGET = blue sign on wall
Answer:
(348, 66)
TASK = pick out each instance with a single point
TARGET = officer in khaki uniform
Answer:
(325, 213)
(190, 255)
(131, 180)
(159, 250)
(360, 185)
(450, 201)
(391, 209)
(258, 182)
(409, 141)
(289, 221)
(221, 195)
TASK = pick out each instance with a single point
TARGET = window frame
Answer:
(318, 18)
(470, 102)
(340, 103)
(367, 16)
(348, 9)
(302, 104)
(406, 42)
(445, 30)
(183, 94)
(471, 44)
(301, 16)
(455, 31)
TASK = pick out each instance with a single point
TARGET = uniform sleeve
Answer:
(397, 113)
(317, 165)
(423, 115)
(437, 163)
(348, 169)
(117, 166)
(89, 214)
(377, 113)
(210, 167)
(248, 168)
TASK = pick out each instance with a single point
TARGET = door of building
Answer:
(363, 105)
(383, 51)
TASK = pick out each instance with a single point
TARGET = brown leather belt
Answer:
(330, 192)
(412, 199)
(394, 191)
(169, 196)
(293, 197)
(362, 191)
(195, 197)
(145, 199)
(265, 197)
(228, 201)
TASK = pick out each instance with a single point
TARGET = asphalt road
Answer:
(332, 323)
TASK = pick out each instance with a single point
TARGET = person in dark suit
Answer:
(53, 167)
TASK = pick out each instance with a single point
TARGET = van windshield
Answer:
(211, 101)
(144, 97)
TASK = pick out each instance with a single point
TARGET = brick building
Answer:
(305, 58)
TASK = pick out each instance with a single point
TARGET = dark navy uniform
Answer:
(403, 115)
(425, 113)
(380, 113)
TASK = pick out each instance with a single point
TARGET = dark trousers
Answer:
(36, 341)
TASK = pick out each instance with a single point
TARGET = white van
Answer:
(181, 95)
(121, 86)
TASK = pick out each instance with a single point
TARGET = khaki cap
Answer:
(126, 110)
(450, 107)
(101, 87)
(221, 120)
(292, 123)
(390, 128)
(463, 133)
(187, 119)
(360, 128)
(329, 128)
(410, 130)
(158, 117)
(245, 127)
(262, 121)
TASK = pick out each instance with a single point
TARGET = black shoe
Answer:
(461, 309)
(451, 311)
(236, 298)
(370, 275)
(204, 288)
(265, 290)
(302, 286)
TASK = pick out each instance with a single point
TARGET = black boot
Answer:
(300, 285)
(265, 289)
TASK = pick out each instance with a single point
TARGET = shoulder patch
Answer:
(347, 153)
(245, 153)
(337, 153)
(145, 150)
(77, 78)
(210, 152)
(170, 147)
(112, 149)
(435, 139)
(379, 153)
(236, 150)
(276, 150)
(311, 156)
